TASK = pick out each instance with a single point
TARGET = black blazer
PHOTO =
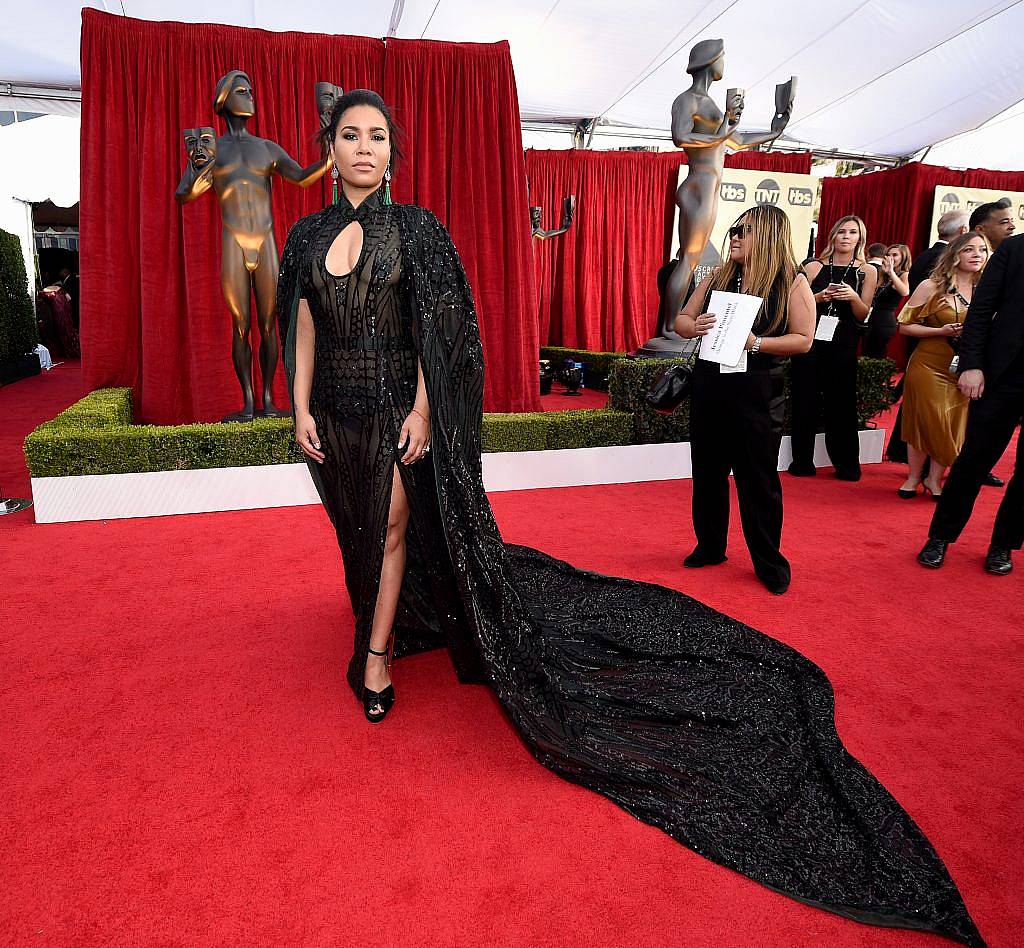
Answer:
(922, 267)
(994, 328)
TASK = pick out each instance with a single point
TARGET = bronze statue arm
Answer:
(193, 183)
(744, 141)
(683, 135)
(692, 139)
(291, 170)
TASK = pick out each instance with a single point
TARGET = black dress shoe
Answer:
(847, 475)
(698, 558)
(802, 470)
(998, 560)
(992, 481)
(775, 586)
(933, 553)
(907, 493)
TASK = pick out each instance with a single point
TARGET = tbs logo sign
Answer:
(949, 202)
(801, 197)
(767, 192)
(731, 191)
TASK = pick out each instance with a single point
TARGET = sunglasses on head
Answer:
(738, 230)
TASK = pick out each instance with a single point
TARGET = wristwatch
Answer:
(755, 348)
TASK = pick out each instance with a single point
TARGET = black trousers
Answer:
(735, 423)
(881, 329)
(991, 421)
(825, 381)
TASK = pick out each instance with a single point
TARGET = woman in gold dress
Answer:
(934, 411)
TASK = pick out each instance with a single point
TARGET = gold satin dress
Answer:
(934, 411)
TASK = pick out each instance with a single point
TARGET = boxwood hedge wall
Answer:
(96, 434)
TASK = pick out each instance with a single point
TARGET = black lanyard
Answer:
(831, 279)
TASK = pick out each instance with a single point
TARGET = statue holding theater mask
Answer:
(239, 167)
(705, 132)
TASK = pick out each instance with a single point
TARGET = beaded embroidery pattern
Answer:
(695, 723)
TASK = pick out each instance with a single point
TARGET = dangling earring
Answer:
(387, 185)
(334, 186)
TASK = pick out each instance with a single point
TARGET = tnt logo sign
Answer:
(948, 202)
(801, 197)
(767, 192)
(731, 191)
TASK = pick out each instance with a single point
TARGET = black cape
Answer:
(693, 722)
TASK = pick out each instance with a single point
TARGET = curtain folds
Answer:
(597, 283)
(153, 317)
(896, 204)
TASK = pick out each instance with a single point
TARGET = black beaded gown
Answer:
(693, 722)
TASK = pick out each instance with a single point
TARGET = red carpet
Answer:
(559, 401)
(183, 765)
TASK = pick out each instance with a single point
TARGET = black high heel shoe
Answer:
(376, 704)
(907, 493)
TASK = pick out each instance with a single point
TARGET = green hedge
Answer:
(19, 333)
(553, 430)
(631, 379)
(875, 392)
(597, 365)
(96, 436)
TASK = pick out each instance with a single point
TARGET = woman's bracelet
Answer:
(415, 412)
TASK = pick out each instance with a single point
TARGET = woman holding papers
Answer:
(843, 284)
(736, 412)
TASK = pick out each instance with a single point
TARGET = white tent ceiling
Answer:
(884, 77)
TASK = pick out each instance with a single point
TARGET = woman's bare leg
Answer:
(915, 465)
(935, 474)
(377, 676)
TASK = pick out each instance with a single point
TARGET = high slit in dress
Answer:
(718, 734)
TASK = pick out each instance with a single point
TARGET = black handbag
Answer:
(671, 388)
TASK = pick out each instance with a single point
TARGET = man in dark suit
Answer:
(992, 376)
(994, 221)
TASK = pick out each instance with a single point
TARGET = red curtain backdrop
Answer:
(458, 105)
(598, 282)
(152, 313)
(896, 204)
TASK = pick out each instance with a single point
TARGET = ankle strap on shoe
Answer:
(373, 651)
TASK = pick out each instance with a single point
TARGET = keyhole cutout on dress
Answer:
(344, 252)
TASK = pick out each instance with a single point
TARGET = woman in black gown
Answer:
(891, 290)
(719, 735)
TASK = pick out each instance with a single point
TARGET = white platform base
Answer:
(163, 493)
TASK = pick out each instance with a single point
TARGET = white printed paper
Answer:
(734, 317)
(740, 366)
(827, 326)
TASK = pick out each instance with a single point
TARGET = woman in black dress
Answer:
(731, 423)
(892, 288)
(719, 735)
(824, 381)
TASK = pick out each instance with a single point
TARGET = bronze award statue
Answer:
(327, 93)
(704, 133)
(568, 212)
(239, 167)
